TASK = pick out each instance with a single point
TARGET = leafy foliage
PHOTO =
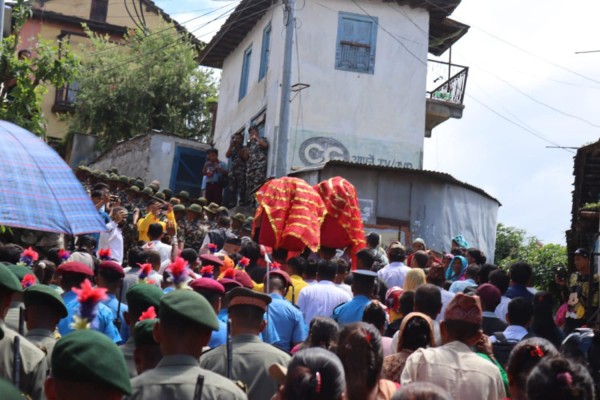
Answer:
(151, 80)
(24, 79)
(513, 244)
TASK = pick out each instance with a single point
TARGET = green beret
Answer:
(43, 294)
(20, 271)
(178, 207)
(9, 391)
(9, 280)
(141, 296)
(90, 356)
(190, 306)
(142, 332)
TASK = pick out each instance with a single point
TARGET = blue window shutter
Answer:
(356, 43)
(245, 73)
(264, 54)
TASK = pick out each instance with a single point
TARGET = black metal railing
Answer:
(446, 82)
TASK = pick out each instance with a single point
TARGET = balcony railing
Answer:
(446, 82)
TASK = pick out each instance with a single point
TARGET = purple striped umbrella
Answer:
(38, 190)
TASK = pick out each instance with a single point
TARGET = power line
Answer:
(516, 124)
(521, 49)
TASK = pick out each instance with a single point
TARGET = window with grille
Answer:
(356, 43)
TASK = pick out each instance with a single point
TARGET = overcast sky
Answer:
(532, 182)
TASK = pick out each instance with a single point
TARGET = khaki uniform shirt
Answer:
(12, 316)
(127, 350)
(251, 361)
(43, 339)
(34, 366)
(175, 377)
(457, 369)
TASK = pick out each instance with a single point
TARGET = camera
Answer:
(561, 272)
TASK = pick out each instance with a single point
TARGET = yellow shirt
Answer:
(150, 218)
(297, 282)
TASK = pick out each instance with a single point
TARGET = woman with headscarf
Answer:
(456, 270)
(414, 278)
(416, 331)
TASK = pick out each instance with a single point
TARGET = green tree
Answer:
(151, 80)
(513, 244)
(25, 79)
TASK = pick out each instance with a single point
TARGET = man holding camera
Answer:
(237, 171)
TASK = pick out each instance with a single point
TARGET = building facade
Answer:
(62, 20)
(359, 78)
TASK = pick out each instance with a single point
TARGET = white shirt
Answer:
(112, 239)
(393, 274)
(512, 332)
(163, 249)
(446, 298)
(345, 288)
(502, 308)
(319, 299)
(457, 369)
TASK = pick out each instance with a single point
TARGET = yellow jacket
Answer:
(150, 218)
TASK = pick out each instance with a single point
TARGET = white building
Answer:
(359, 78)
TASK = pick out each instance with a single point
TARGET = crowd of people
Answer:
(178, 300)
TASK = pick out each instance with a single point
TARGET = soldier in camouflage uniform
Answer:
(133, 206)
(237, 171)
(256, 153)
(194, 227)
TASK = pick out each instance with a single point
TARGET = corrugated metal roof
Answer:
(443, 176)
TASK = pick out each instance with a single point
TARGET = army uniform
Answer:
(139, 298)
(175, 376)
(256, 166)
(33, 361)
(43, 295)
(195, 231)
(251, 357)
(237, 177)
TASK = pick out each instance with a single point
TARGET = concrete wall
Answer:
(367, 118)
(149, 157)
(435, 209)
(131, 158)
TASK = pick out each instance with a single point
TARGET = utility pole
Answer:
(286, 88)
(2, 2)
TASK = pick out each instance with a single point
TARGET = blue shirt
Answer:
(270, 332)
(516, 290)
(351, 311)
(287, 321)
(102, 323)
(219, 337)
(112, 303)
